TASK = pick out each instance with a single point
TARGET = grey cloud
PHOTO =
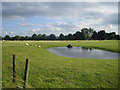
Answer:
(112, 19)
(56, 9)
(82, 10)
(87, 14)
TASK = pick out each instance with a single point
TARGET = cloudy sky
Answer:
(26, 18)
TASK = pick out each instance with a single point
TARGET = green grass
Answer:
(47, 70)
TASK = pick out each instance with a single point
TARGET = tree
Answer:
(52, 37)
(66, 37)
(34, 37)
(39, 36)
(17, 37)
(87, 33)
(107, 36)
(95, 35)
(22, 38)
(84, 34)
(27, 38)
(61, 37)
(7, 37)
(117, 37)
(111, 36)
(78, 36)
(70, 36)
(13, 38)
(44, 37)
(101, 35)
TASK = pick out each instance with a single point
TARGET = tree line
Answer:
(84, 34)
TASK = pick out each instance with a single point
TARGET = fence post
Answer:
(14, 69)
(26, 73)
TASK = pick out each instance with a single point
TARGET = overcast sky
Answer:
(25, 18)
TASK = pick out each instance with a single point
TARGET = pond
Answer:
(81, 52)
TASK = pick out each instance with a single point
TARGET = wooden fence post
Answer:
(26, 73)
(14, 69)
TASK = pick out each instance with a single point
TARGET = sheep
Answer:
(39, 46)
(27, 44)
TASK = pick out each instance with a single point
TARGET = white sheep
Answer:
(27, 44)
(39, 46)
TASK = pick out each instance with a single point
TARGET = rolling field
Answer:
(47, 70)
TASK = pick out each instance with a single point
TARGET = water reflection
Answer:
(84, 48)
(83, 52)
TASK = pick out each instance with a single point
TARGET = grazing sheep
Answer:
(27, 44)
(39, 46)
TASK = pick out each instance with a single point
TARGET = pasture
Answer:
(47, 70)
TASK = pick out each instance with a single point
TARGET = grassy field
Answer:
(47, 70)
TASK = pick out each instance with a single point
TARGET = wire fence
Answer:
(25, 79)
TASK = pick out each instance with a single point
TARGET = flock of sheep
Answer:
(31, 45)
